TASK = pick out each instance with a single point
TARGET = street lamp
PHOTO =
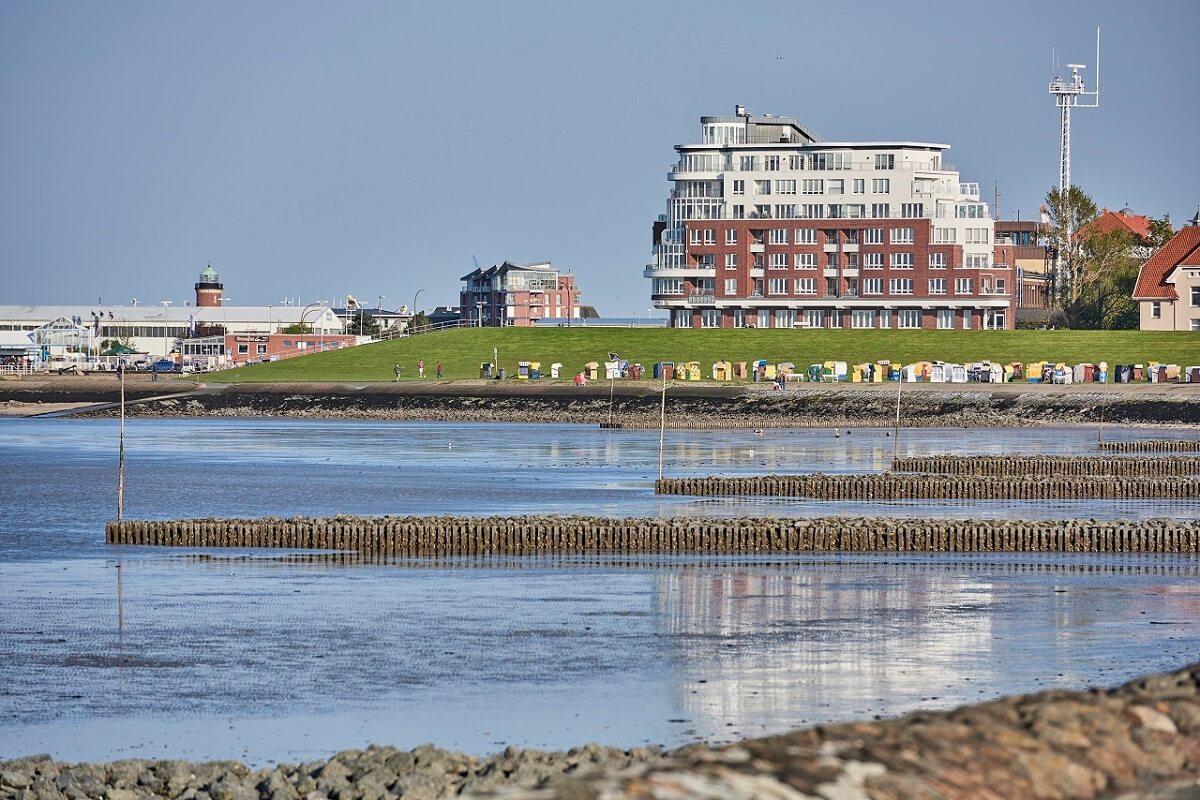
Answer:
(166, 347)
(307, 308)
(224, 330)
(414, 307)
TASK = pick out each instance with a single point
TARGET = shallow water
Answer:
(110, 652)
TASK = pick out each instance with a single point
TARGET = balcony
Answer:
(758, 247)
(702, 297)
(831, 247)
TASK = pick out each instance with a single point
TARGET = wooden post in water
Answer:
(896, 443)
(1100, 430)
(612, 382)
(662, 425)
(121, 451)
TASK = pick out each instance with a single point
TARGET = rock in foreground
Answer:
(1141, 740)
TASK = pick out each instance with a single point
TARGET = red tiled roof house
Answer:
(1168, 284)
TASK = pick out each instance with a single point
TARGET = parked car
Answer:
(166, 365)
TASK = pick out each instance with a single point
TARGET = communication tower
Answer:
(1070, 93)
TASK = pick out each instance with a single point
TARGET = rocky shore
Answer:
(637, 404)
(1141, 740)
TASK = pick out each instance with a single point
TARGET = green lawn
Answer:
(462, 351)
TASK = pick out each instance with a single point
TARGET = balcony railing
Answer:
(702, 297)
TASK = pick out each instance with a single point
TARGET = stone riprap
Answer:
(1144, 467)
(1141, 740)
(473, 536)
(905, 486)
(636, 405)
(1153, 446)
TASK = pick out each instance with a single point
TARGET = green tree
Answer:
(1160, 232)
(298, 328)
(1069, 212)
(363, 324)
(419, 322)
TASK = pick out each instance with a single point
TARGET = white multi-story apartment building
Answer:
(768, 226)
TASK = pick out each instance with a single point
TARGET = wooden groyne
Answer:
(469, 536)
(903, 486)
(1153, 446)
(1143, 467)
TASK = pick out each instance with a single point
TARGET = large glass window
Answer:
(902, 260)
(806, 285)
(885, 161)
(777, 236)
(806, 260)
(862, 318)
(945, 318)
(814, 318)
(777, 286)
(785, 318)
(902, 235)
(710, 318)
(900, 286)
(872, 285)
(909, 318)
(937, 285)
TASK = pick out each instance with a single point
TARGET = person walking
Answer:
(396, 372)
(421, 368)
(439, 370)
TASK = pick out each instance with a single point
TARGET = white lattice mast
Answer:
(1067, 94)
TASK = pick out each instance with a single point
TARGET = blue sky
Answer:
(319, 149)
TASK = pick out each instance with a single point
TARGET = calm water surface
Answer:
(111, 652)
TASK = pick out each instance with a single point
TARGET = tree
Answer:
(419, 322)
(298, 328)
(1069, 212)
(363, 324)
(1160, 232)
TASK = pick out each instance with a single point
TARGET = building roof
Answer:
(1182, 250)
(1124, 219)
(484, 273)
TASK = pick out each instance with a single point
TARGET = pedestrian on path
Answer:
(439, 370)
(396, 372)
(421, 368)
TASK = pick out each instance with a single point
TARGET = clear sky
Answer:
(316, 149)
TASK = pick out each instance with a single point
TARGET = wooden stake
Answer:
(121, 456)
(662, 425)
(896, 443)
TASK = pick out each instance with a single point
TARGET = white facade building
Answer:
(768, 226)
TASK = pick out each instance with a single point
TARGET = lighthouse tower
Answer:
(209, 288)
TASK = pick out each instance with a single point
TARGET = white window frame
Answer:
(872, 286)
(902, 236)
(907, 316)
(902, 260)
(806, 261)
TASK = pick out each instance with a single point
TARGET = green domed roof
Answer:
(209, 275)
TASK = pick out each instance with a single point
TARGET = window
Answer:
(937, 285)
(975, 260)
(710, 318)
(739, 318)
(1195, 301)
(872, 285)
(806, 260)
(806, 285)
(739, 186)
(764, 318)
(962, 285)
(777, 236)
(779, 261)
(885, 319)
(787, 211)
(881, 185)
(805, 236)
(762, 187)
(814, 318)
(999, 285)
(900, 286)
(969, 211)
(771, 163)
(944, 235)
(902, 236)
(851, 260)
(836, 186)
(668, 286)
(1156, 310)
(835, 318)
(885, 161)
(749, 163)
(909, 210)
(978, 236)
(862, 318)
(731, 287)
(937, 260)
(710, 236)
(763, 211)
(909, 318)
(739, 212)
(873, 236)
(827, 161)
(731, 236)
(777, 286)
(696, 236)
(796, 162)
(812, 186)
(945, 318)
(785, 318)
(1195, 325)
(967, 319)
(859, 186)
(993, 320)
(831, 287)
(262, 349)
(731, 260)
(785, 187)
(243, 349)
(706, 261)
(814, 211)
(881, 210)
(873, 260)
(902, 260)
